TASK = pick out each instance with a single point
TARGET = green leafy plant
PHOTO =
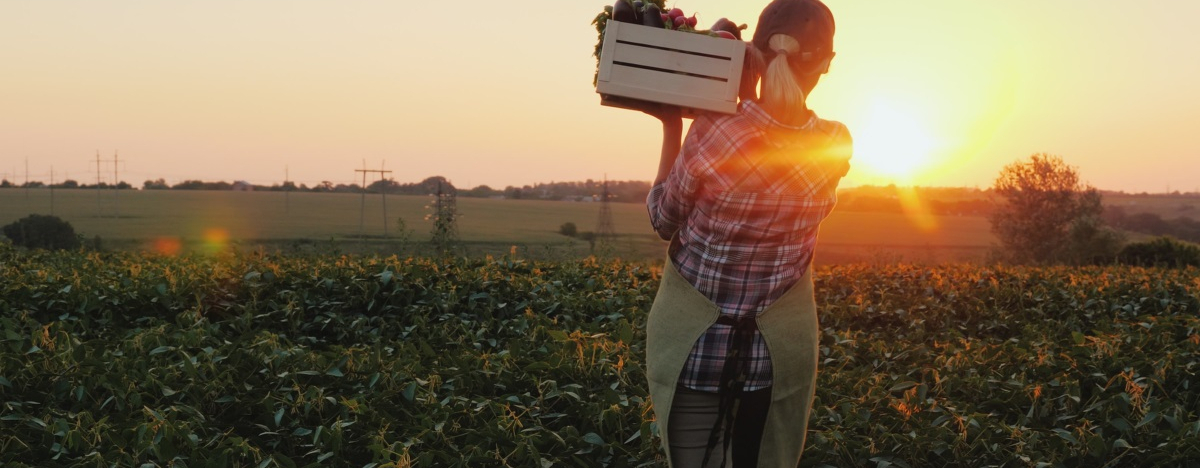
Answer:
(120, 359)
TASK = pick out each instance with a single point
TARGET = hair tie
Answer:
(782, 52)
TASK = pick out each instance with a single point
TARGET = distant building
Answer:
(242, 186)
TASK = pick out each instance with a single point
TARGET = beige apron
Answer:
(681, 314)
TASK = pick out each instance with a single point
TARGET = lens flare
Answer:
(169, 246)
(916, 209)
(215, 240)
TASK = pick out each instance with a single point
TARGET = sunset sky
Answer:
(935, 92)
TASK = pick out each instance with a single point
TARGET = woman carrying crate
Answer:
(732, 335)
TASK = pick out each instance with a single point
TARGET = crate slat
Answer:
(680, 86)
(690, 64)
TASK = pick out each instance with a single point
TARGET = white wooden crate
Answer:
(689, 70)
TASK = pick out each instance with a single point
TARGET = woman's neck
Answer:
(794, 118)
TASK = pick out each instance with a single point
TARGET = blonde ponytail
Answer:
(781, 93)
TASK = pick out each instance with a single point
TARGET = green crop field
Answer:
(138, 219)
(260, 360)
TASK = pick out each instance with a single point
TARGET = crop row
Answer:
(252, 360)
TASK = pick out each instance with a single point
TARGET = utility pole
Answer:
(99, 207)
(445, 219)
(287, 191)
(51, 190)
(117, 187)
(383, 191)
(363, 210)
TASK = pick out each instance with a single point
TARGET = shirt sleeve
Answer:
(670, 201)
(834, 160)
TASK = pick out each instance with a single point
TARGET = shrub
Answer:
(42, 232)
(1161, 251)
(1089, 241)
(568, 229)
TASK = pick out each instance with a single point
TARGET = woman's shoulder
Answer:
(837, 142)
(836, 130)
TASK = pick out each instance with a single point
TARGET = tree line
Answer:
(1183, 227)
(628, 191)
(66, 184)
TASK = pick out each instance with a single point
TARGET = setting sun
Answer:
(892, 142)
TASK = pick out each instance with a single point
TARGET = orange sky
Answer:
(936, 92)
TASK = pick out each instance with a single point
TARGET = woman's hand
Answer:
(666, 113)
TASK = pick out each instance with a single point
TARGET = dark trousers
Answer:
(693, 415)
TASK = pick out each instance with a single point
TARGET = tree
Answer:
(158, 184)
(1089, 239)
(1048, 215)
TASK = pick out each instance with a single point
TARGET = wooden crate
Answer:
(689, 70)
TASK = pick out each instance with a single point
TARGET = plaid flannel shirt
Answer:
(741, 207)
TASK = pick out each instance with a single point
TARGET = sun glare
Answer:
(892, 143)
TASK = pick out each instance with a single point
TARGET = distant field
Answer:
(320, 220)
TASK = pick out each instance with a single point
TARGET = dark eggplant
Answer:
(624, 12)
(652, 16)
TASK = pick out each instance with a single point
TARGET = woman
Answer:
(732, 336)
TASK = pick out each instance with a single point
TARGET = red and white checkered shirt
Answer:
(741, 207)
